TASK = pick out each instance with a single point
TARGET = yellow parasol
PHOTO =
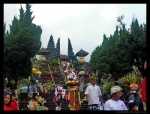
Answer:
(35, 71)
(38, 72)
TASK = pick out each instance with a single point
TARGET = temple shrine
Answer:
(81, 55)
(52, 53)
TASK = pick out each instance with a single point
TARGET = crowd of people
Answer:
(93, 95)
(133, 103)
(115, 102)
(61, 93)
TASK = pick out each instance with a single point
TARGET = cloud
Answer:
(84, 24)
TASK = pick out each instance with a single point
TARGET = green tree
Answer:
(117, 53)
(21, 44)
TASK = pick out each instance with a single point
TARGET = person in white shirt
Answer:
(115, 103)
(60, 88)
(63, 93)
(93, 95)
(68, 64)
(56, 91)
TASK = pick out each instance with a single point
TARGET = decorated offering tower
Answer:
(74, 95)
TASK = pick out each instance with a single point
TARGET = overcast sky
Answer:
(84, 24)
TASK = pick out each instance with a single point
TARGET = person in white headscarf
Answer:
(115, 103)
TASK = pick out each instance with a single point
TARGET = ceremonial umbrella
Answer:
(38, 72)
(34, 70)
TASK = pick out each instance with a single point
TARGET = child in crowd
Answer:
(14, 103)
(58, 103)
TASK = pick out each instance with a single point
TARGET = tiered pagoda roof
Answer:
(82, 53)
(63, 57)
(43, 51)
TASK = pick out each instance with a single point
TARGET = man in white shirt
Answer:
(115, 103)
(93, 95)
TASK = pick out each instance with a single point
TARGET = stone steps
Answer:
(49, 98)
(52, 106)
